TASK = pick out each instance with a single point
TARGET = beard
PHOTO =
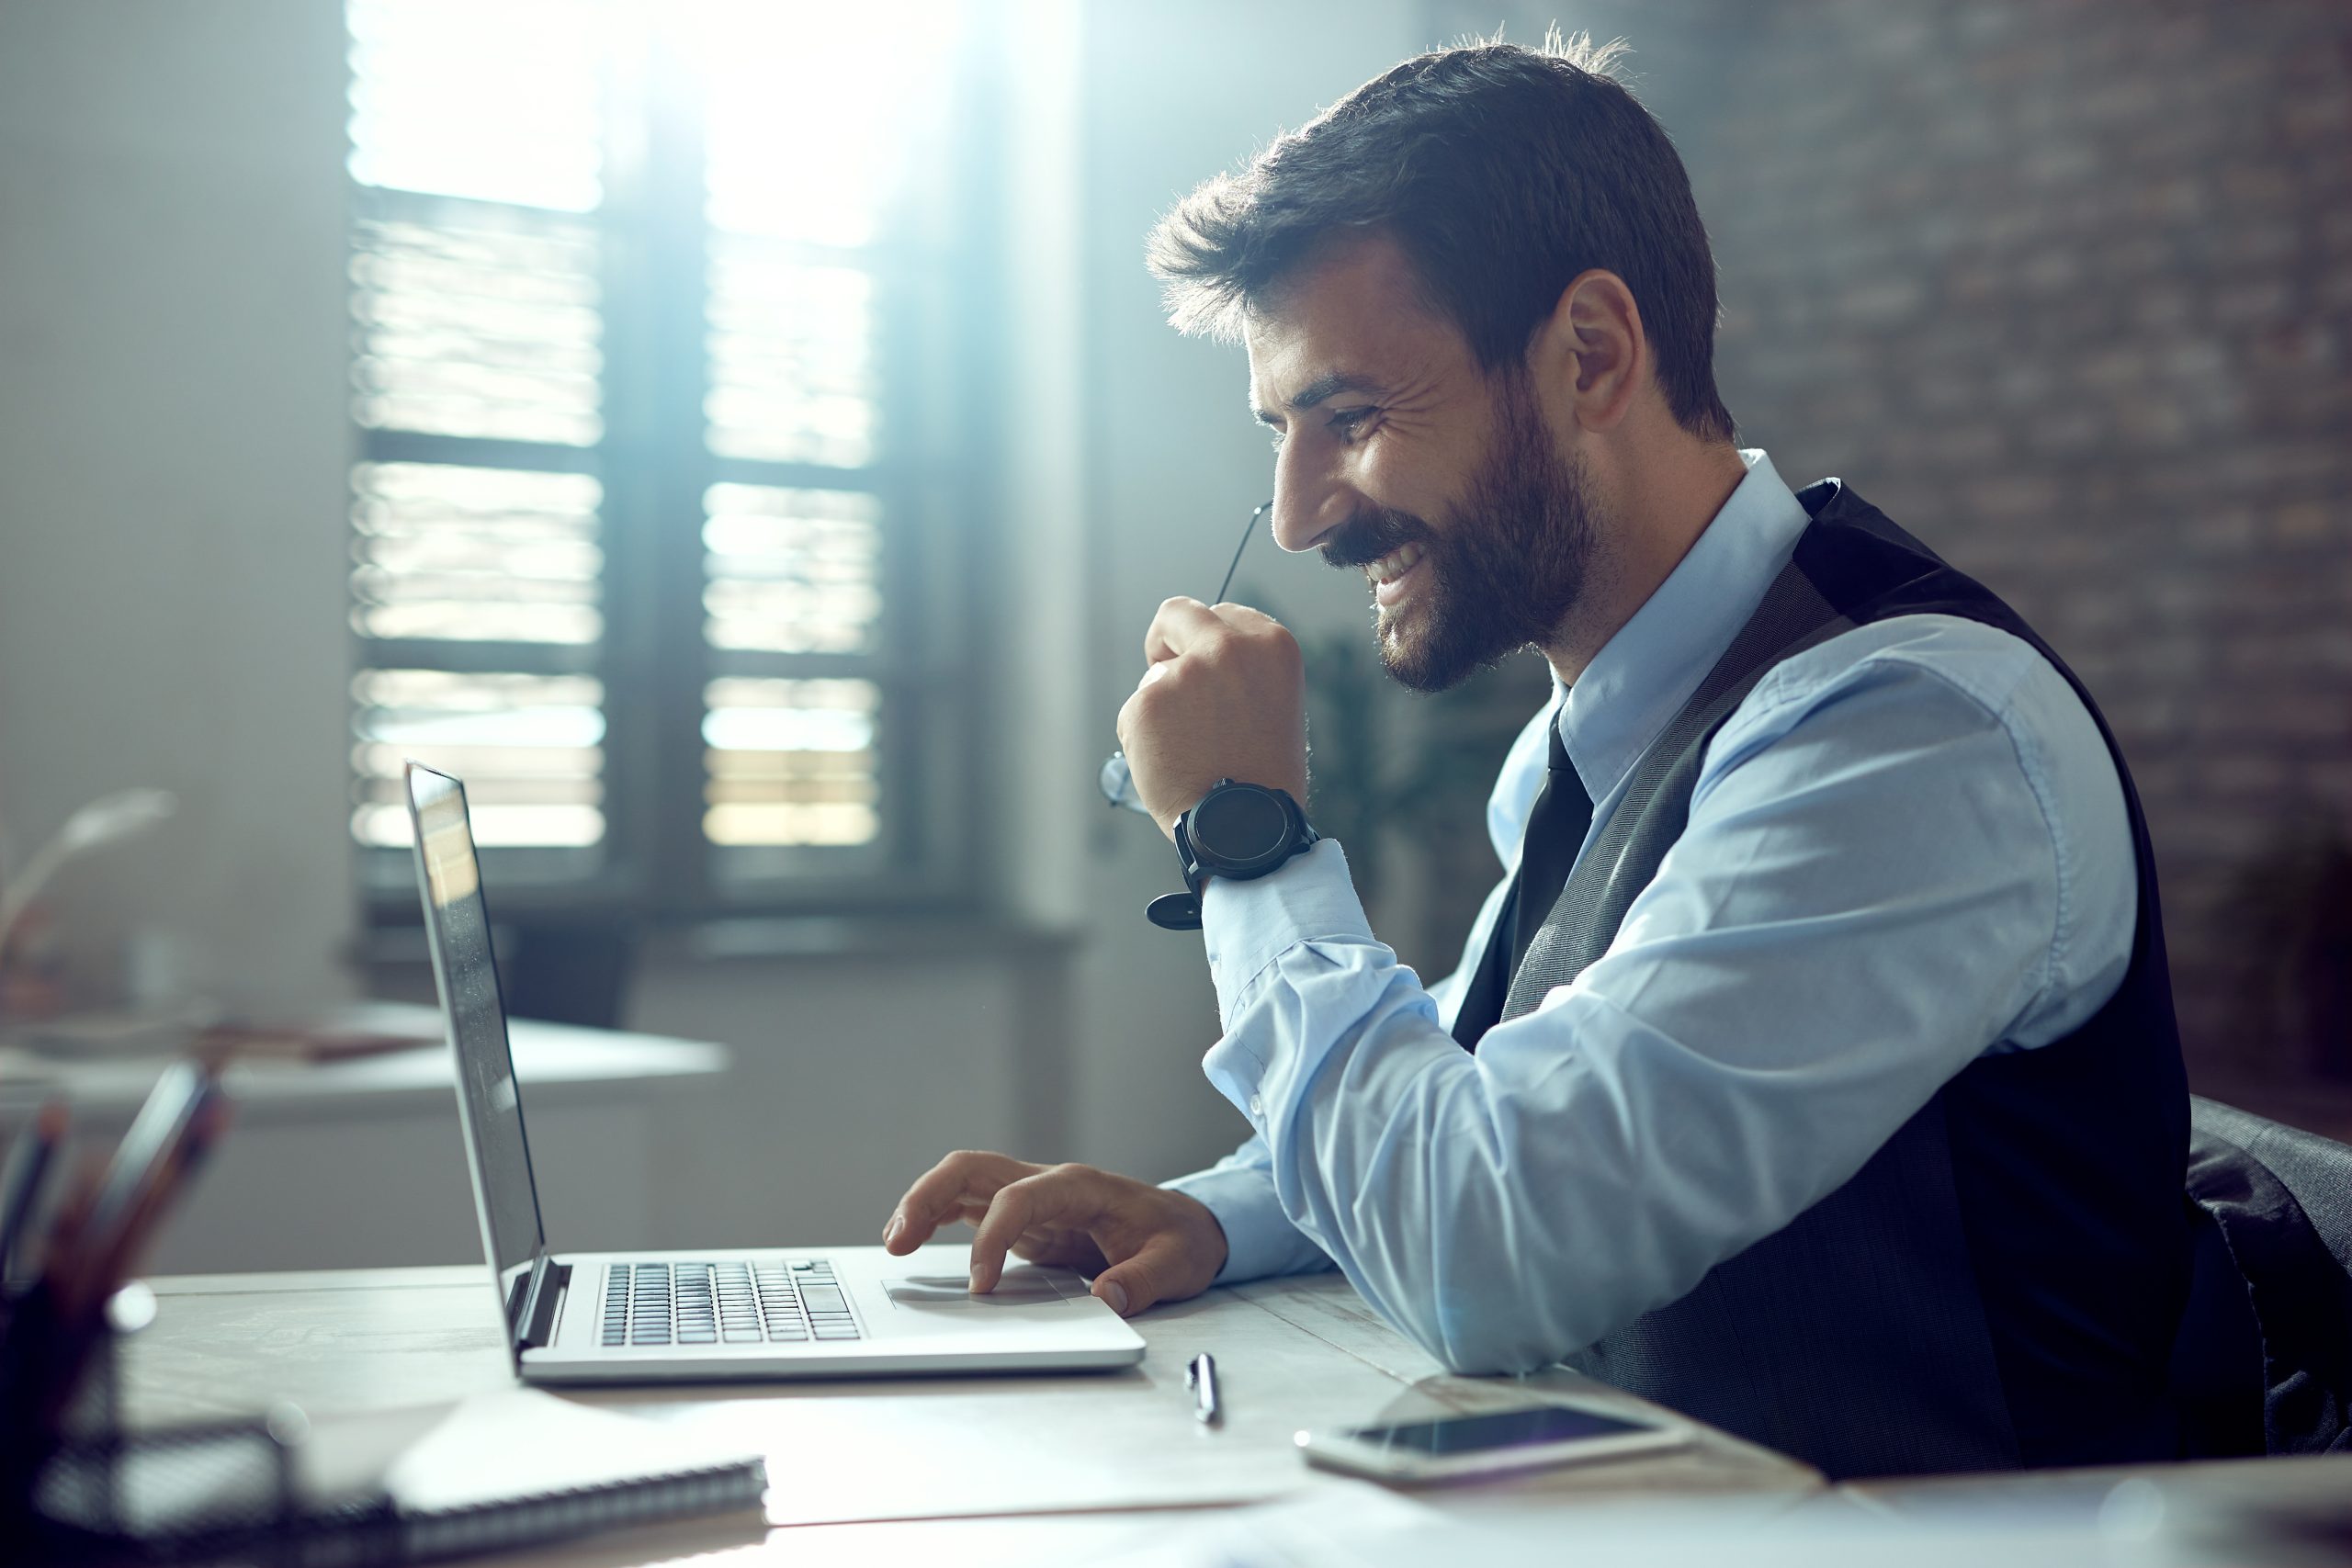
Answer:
(1505, 572)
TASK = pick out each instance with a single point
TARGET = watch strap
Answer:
(1175, 911)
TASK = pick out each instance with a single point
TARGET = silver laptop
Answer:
(747, 1311)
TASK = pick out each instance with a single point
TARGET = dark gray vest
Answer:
(1999, 1284)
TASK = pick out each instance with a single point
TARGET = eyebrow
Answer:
(1323, 389)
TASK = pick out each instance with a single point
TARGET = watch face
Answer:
(1238, 825)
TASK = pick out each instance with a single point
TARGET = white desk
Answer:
(984, 1469)
(1038, 1470)
(359, 1162)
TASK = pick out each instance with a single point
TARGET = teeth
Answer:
(1391, 567)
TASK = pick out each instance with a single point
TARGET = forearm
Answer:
(1412, 1169)
(1383, 1142)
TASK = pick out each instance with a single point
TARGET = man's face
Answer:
(1398, 456)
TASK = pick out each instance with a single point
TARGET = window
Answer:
(659, 500)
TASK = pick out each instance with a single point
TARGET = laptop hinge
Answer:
(531, 1318)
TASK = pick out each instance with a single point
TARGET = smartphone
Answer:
(1454, 1448)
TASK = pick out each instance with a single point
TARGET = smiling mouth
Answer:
(1395, 564)
(1388, 573)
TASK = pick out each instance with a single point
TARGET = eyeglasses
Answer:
(1117, 780)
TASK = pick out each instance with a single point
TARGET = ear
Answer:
(1591, 357)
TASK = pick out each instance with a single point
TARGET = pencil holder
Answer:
(81, 1486)
(31, 1354)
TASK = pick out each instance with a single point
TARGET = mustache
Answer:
(1368, 535)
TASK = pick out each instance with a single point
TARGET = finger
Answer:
(1061, 1249)
(1181, 623)
(937, 1197)
(1032, 1201)
(1135, 1284)
(966, 1211)
(969, 1210)
(1242, 617)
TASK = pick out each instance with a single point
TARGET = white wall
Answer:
(172, 442)
(173, 450)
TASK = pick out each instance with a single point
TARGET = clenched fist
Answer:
(1224, 696)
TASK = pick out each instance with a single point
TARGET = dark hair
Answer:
(1503, 172)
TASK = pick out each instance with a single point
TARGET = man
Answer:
(1813, 1070)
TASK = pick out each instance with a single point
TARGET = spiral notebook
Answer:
(500, 1470)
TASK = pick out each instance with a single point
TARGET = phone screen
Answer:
(1505, 1429)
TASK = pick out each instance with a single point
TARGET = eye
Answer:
(1348, 423)
(1274, 436)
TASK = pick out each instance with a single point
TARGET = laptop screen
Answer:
(456, 923)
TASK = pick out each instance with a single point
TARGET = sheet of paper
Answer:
(941, 1448)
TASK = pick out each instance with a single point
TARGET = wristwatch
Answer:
(1240, 830)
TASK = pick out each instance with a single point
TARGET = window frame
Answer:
(930, 473)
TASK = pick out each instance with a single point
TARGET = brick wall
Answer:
(2066, 288)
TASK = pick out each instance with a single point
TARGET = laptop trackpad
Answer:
(1023, 1287)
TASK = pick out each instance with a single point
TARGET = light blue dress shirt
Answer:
(1907, 848)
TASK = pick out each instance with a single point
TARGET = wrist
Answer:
(1236, 831)
(1206, 1238)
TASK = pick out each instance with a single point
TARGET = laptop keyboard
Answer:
(768, 1301)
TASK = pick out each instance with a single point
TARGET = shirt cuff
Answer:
(1260, 1240)
(1249, 925)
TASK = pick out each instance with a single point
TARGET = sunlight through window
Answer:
(608, 256)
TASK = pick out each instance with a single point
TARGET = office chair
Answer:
(2274, 1214)
(573, 971)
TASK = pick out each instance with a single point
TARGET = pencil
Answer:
(21, 1183)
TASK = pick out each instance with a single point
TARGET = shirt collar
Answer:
(1642, 676)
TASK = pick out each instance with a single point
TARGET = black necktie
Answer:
(1555, 831)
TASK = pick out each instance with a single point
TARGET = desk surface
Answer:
(1040, 1469)
(988, 1469)
(558, 1064)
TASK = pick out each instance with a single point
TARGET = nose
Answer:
(1307, 506)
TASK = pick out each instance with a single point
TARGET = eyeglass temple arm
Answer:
(1248, 530)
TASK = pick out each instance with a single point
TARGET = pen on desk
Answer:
(20, 1185)
(1201, 1377)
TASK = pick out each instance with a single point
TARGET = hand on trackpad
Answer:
(1020, 1287)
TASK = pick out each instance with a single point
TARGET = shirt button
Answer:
(1257, 1106)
